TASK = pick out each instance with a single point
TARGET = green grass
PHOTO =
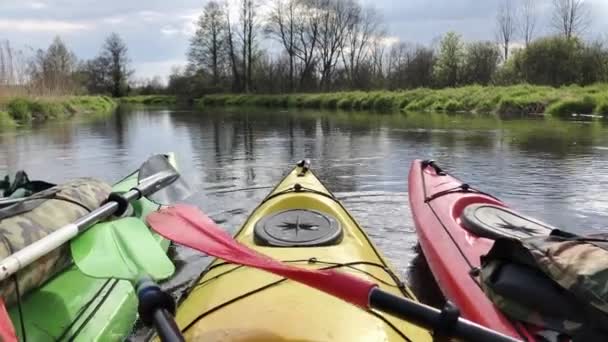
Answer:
(150, 100)
(520, 99)
(26, 109)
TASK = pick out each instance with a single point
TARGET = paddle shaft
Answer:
(22, 258)
(166, 328)
(427, 316)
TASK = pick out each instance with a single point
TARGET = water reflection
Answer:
(554, 170)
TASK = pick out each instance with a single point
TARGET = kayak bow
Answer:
(73, 306)
(453, 242)
(302, 224)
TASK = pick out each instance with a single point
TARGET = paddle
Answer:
(125, 249)
(7, 331)
(31, 253)
(188, 226)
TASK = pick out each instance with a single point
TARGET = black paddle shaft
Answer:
(431, 318)
(156, 307)
(165, 327)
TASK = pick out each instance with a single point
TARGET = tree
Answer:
(283, 24)
(505, 26)
(570, 17)
(450, 60)
(308, 37)
(109, 72)
(96, 76)
(363, 28)
(378, 63)
(528, 20)
(249, 27)
(420, 68)
(481, 62)
(232, 53)
(51, 71)
(115, 61)
(551, 61)
(59, 64)
(207, 47)
(336, 17)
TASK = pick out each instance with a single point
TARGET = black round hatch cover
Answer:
(297, 228)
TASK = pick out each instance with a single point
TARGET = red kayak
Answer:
(456, 225)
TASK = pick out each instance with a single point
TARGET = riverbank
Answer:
(508, 100)
(26, 109)
(150, 100)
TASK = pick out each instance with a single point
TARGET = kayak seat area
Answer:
(298, 228)
(493, 222)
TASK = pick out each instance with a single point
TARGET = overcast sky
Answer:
(157, 31)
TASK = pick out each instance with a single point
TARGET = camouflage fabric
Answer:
(63, 205)
(574, 269)
(577, 264)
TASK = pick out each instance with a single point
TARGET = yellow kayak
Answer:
(300, 222)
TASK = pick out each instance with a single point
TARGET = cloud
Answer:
(30, 25)
(37, 5)
(114, 20)
(169, 30)
(151, 69)
(151, 16)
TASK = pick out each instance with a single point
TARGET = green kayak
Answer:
(74, 307)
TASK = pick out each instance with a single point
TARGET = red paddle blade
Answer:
(7, 331)
(190, 227)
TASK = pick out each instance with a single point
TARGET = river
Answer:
(554, 170)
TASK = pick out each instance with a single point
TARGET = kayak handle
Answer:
(305, 165)
(439, 171)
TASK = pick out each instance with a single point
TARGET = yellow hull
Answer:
(233, 303)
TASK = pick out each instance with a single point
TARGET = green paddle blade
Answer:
(122, 249)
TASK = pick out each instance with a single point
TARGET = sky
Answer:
(157, 32)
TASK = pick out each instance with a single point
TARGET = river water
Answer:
(554, 170)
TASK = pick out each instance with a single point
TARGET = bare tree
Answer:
(528, 20)
(249, 27)
(283, 23)
(570, 17)
(363, 28)
(336, 17)
(307, 34)
(207, 47)
(378, 62)
(505, 20)
(236, 75)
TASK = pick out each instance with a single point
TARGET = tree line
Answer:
(321, 46)
(57, 71)
(334, 45)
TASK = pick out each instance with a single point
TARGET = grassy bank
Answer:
(150, 100)
(509, 100)
(26, 109)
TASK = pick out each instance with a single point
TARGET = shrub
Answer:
(569, 106)
(6, 120)
(19, 109)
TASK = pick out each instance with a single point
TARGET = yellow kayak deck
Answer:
(236, 303)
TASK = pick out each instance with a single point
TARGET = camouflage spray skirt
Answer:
(559, 282)
(36, 217)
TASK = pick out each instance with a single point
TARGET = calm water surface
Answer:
(554, 170)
